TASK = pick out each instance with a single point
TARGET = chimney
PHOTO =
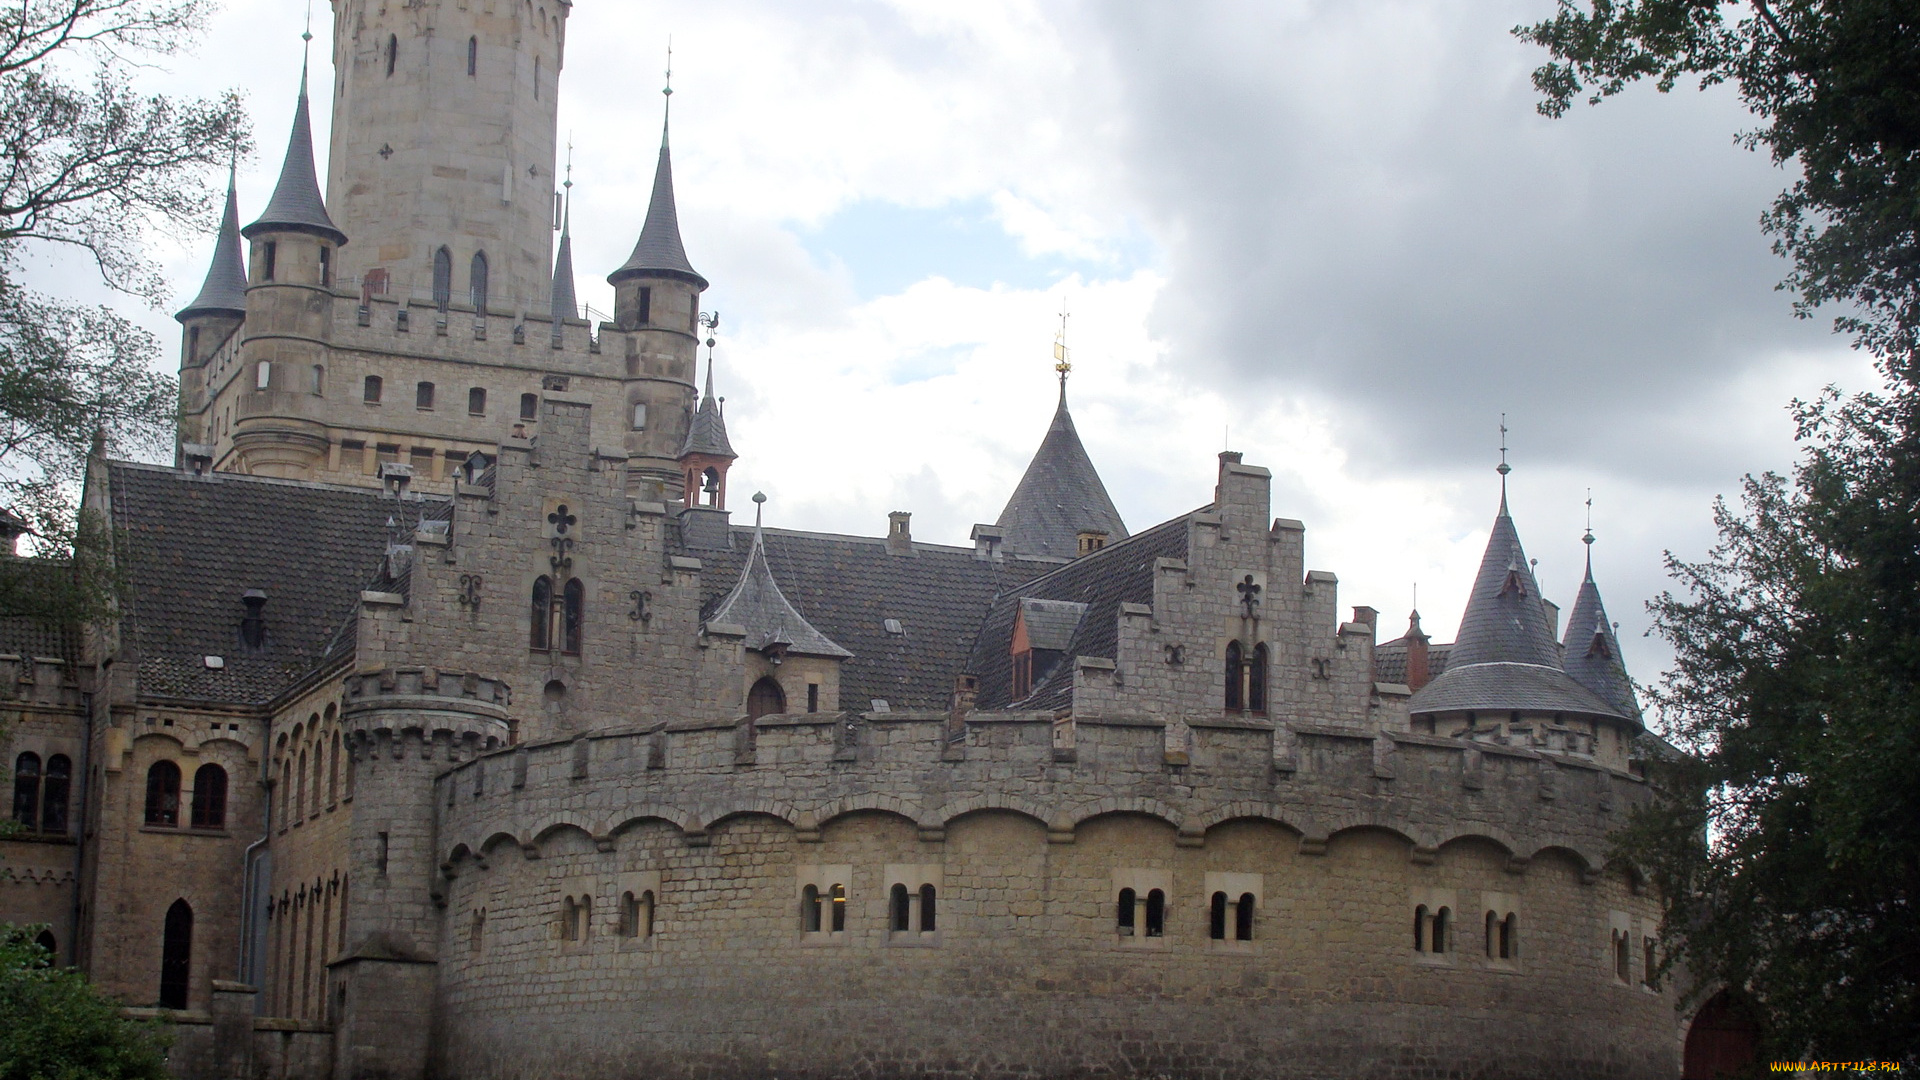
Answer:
(395, 477)
(986, 542)
(1419, 667)
(1553, 616)
(899, 533)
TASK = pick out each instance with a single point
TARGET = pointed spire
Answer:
(225, 290)
(659, 253)
(708, 432)
(565, 306)
(757, 606)
(1592, 647)
(296, 205)
(1505, 620)
(1059, 497)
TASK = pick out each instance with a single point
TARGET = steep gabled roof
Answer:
(1593, 651)
(225, 290)
(1059, 497)
(296, 204)
(659, 252)
(757, 605)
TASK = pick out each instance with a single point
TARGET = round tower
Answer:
(293, 264)
(404, 726)
(210, 320)
(443, 147)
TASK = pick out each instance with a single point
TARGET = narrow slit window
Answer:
(393, 53)
(1440, 920)
(901, 909)
(573, 616)
(813, 697)
(1156, 913)
(477, 282)
(270, 254)
(839, 896)
(1217, 917)
(1234, 676)
(1420, 928)
(643, 309)
(473, 56)
(1257, 679)
(1124, 915)
(176, 956)
(263, 375)
(1243, 917)
(319, 381)
(928, 910)
(810, 909)
(326, 267)
(540, 617)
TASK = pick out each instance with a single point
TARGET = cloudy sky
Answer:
(1332, 235)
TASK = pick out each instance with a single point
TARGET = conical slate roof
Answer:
(225, 290)
(708, 433)
(565, 306)
(660, 252)
(1593, 651)
(757, 605)
(296, 204)
(1060, 496)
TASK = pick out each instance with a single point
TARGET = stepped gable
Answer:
(1592, 650)
(757, 606)
(849, 586)
(193, 544)
(1059, 497)
(224, 292)
(1103, 580)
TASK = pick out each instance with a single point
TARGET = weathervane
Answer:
(1504, 468)
(1060, 362)
(1588, 538)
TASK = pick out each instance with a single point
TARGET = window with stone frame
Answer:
(423, 395)
(1235, 674)
(372, 389)
(540, 615)
(477, 402)
(26, 790)
(636, 914)
(573, 616)
(209, 797)
(163, 794)
(529, 406)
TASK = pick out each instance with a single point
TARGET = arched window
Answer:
(639, 416)
(1420, 928)
(371, 393)
(838, 894)
(442, 278)
(477, 281)
(1622, 957)
(176, 954)
(286, 791)
(163, 794)
(1493, 936)
(574, 603)
(423, 395)
(1440, 920)
(393, 53)
(1156, 913)
(540, 617)
(536, 78)
(645, 920)
(1257, 679)
(1243, 918)
(1217, 917)
(765, 699)
(1510, 937)
(53, 797)
(300, 787)
(928, 912)
(210, 797)
(319, 770)
(1124, 912)
(900, 904)
(26, 790)
(710, 487)
(333, 769)
(47, 941)
(473, 56)
(529, 406)
(319, 380)
(1234, 677)
(476, 402)
(810, 909)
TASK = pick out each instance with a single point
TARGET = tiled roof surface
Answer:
(1390, 661)
(1502, 687)
(708, 432)
(659, 250)
(296, 202)
(34, 637)
(1059, 496)
(192, 545)
(1119, 573)
(1592, 651)
(757, 606)
(225, 289)
(849, 586)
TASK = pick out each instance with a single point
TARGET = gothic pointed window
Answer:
(1235, 676)
(477, 278)
(442, 278)
(573, 616)
(163, 794)
(540, 617)
(53, 794)
(26, 790)
(210, 797)
(1257, 679)
(765, 699)
(176, 956)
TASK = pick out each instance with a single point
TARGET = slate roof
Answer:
(1498, 686)
(708, 432)
(1390, 661)
(20, 636)
(1505, 619)
(566, 305)
(659, 252)
(848, 586)
(296, 202)
(1060, 496)
(1592, 650)
(192, 544)
(757, 605)
(1051, 623)
(1103, 580)
(225, 290)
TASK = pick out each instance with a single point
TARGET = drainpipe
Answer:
(79, 798)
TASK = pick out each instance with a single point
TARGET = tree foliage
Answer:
(1789, 852)
(1836, 85)
(53, 1026)
(90, 164)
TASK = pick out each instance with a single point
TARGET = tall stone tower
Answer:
(443, 147)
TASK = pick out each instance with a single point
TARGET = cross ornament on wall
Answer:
(1250, 596)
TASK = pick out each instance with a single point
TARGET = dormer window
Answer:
(253, 624)
(1091, 541)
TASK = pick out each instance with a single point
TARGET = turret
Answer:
(211, 319)
(708, 454)
(657, 307)
(295, 247)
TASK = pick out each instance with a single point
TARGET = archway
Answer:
(1722, 1040)
(176, 956)
(765, 699)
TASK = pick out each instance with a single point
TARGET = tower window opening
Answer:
(1438, 938)
(813, 697)
(477, 932)
(53, 795)
(477, 279)
(193, 343)
(1217, 917)
(442, 278)
(573, 615)
(163, 794)
(319, 380)
(1156, 913)
(1622, 957)
(529, 406)
(1125, 918)
(473, 56)
(210, 797)
(839, 896)
(1420, 928)
(269, 255)
(710, 488)
(370, 392)
(810, 910)
(423, 396)
(1647, 976)
(176, 956)
(1243, 918)
(639, 416)
(1257, 680)
(928, 914)
(393, 53)
(26, 790)
(263, 375)
(540, 618)
(536, 78)
(643, 309)
(476, 402)
(326, 266)
(901, 906)
(1235, 677)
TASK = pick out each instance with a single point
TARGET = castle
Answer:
(457, 725)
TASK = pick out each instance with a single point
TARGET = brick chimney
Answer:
(1419, 673)
(899, 533)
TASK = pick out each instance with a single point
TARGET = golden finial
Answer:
(1060, 362)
